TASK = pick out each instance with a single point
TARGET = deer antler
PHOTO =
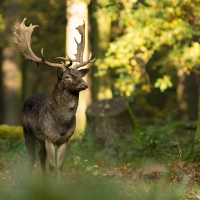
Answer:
(66, 59)
(80, 50)
(23, 39)
(81, 47)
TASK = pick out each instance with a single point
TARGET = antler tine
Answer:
(90, 60)
(70, 61)
(66, 59)
(23, 39)
(81, 47)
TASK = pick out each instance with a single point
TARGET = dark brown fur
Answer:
(51, 119)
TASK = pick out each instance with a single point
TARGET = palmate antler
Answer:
(23, 39)
(80, 49)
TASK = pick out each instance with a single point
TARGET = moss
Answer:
(11, 132)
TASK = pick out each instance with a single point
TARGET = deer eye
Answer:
(67, 77)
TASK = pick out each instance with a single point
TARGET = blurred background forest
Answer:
(147, 51)
(148, 55)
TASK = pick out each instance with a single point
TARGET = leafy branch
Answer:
(110, 4)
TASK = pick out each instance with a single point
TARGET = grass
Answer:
(134, 172)
(78, 184)
(145, 180)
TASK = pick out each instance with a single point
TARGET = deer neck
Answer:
(62, 101)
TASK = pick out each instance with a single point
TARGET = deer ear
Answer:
(84, 71)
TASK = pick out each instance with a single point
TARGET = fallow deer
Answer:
(51, 119)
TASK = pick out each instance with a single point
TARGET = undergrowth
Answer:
(79, 184)
(156, 142)
(117, 172)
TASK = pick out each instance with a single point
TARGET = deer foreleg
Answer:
(50, 148)
(60, 158)
(61, 155)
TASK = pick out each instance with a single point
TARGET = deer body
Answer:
(45, 122)
(51, 119)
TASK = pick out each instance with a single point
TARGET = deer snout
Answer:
(82, 86)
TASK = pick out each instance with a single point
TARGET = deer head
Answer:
(69, 77)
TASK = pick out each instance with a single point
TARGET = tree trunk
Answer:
(187, 95)
(77, 12)
(195, 152)
(110, 122)
(100, 38)
(198, 123)
(11, 75)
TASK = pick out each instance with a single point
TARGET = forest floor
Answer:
(147, 180)
(89, 175)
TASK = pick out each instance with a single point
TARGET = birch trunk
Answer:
(77, 12)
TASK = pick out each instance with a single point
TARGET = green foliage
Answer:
(11, 142)
(159, 141)
(108, 5)
(147, 29)
(86, 179)
(95, 188)
(10, 151)
(91, 169)
(163, 83)
(16, 184)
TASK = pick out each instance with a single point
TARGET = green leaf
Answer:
(76, 162)
(95, 173)
(88, 168)
(163, 83)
